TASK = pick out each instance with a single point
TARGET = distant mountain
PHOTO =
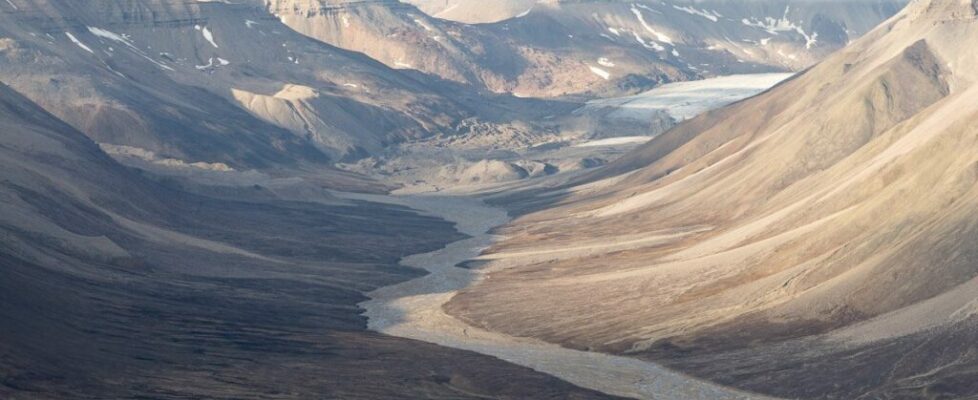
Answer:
(815, 241)
(472, 12)
(487, 58)
(215, 85)
(632, 44)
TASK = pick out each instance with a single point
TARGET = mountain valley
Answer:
(455, 199)
(810, 242)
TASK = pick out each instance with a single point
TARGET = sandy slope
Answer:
(413, 310)
(839, 260)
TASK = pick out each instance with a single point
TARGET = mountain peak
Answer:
(943, 10)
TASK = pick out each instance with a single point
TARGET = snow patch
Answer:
(708, 14)
(210, 64)
(615, 141)
(209, 36)
(650, 9)
(115, 37)
(124, 39)
(78, 42)
(791, 56)
(600, 72)
(423, 25)
(658, 35)
(654, 46)
(780, 25)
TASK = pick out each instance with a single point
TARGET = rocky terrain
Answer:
(223, 267)
(221, 86)
(558, 146)
(270, 101)
(197, 199)
(403, 37)
(811, 242)
(587, 48)
(117, 285)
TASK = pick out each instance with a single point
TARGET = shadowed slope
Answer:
(115, 286)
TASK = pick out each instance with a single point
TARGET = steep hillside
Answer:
(404, 37)
(588, 47)
(815, 241)
(116, 286)
(712, 37)
(214, 85)
(615, 39)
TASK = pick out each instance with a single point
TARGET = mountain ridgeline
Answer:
(581, 48)
(218, 85)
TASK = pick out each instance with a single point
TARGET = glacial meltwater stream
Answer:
(413, 309)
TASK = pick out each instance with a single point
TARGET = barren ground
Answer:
(413, 309)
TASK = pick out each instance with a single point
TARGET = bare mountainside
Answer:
(815, 241)
(218, 86)
(117, 286)
(589, 47)
(404, 37)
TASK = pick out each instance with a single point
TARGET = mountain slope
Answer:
(403, 37)
(215, 85)
(117, 286)
(589, 47)
(811, 242)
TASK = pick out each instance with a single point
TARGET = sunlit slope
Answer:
(832, 214)
(586, 48)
